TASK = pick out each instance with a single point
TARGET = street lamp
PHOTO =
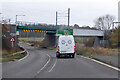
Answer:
(16, 19)
(17, 16)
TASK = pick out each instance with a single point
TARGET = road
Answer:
(42, 63)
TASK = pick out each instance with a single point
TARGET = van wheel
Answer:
(73, 56)
(58, 56)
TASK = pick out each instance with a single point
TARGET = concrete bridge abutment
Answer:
(50, 40)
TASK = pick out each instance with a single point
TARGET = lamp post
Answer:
(17, 17)
(16, 20)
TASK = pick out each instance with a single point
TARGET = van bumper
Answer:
(65, 54)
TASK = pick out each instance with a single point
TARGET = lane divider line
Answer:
(25, 56)
(45, 64)
(53, 66)
(115, 68)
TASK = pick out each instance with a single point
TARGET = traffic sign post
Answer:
(12, 43)
(12, 40)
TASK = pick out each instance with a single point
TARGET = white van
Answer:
(66, 46)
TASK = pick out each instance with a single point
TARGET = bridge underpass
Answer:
(97, 34)
(36, 31)
(50, 34)
(50, 40)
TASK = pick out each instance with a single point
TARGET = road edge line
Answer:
(53, 66)
(45, 64)
(25, 56)
(115, 68)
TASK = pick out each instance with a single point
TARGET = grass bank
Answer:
(90, 51)
(13, 57)
(7, 55)
(38, 42)
(31, 39)
(11, 51)
(81, 48)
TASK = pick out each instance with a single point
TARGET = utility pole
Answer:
(68, 16)
(16, 19)
(56, 18)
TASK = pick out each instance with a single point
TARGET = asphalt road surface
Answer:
(42, 63)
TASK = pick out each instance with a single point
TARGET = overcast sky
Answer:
(82, 12)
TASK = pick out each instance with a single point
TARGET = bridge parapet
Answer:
(36, 28)
(88, 32)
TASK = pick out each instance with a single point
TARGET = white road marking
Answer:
(9, 62)
(45, 64)
(25, 56)
(53, 66)
(115, 68)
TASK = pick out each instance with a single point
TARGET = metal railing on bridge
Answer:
(35, 27)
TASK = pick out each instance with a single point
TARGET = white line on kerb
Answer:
(45, 64)
(115, 68)
(24, 57)
(53, 66)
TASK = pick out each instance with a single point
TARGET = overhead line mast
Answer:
(68, 16)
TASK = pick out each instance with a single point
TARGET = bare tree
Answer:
(104, 22)
(109, 19)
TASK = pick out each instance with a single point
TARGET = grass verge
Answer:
(51, 48)
(14, 57)
(9, 55)
(38, 42)
(30, 39)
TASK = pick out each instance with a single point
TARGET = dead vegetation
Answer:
(91, 51)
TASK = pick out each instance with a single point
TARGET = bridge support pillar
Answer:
(50, 40)
(97, 42)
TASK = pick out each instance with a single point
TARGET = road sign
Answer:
(12, 39)
(13, 34)
(17, 33)
(65, 32)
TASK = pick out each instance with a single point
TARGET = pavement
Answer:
(42, 63)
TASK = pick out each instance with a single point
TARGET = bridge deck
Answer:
(48, 29)
(87, 32)
(76, 32)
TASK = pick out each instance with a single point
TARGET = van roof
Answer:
(66, 35)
